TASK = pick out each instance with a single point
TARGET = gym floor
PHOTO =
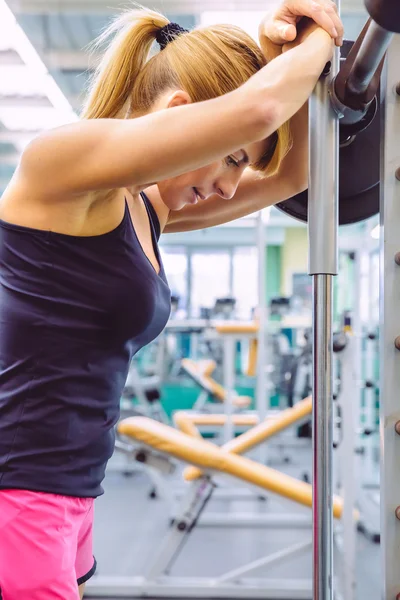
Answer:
(129, 526)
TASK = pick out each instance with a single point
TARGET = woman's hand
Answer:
(280, 26)
(305, 29)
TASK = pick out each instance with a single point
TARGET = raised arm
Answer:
(112, 153)
(255, 193)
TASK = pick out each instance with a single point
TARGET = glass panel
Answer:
(245, 280)
(175, 263)
(302, 293)
(210, 279)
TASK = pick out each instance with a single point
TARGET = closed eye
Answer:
(230, 160)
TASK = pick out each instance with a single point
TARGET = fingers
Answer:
(325, 14)
(287, 31)
(280, 27)
(279, 31)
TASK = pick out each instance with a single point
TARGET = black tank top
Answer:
(73, 312)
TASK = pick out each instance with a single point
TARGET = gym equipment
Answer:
(232, 332)
(259, 433)
(323, 226)
(142, 396)
(352, 96)
(245, 442)
(200, 373)
(389, 385)
(224, 308)
(212, 460)
(358, 196)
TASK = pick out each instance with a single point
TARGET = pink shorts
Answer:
(45, 545)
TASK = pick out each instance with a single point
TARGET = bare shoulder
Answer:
(25, 203)
(21, 203)
(162, 211)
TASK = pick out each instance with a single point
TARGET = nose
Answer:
(226, 186)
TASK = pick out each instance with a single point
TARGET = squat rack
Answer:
(350, 103)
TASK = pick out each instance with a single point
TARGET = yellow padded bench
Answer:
(248, 440)
(235, 328)
(209, 457)
(186, 421)
(207, 383)
(206, 366)
(248, 329)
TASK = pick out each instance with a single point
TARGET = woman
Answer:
(82, 283)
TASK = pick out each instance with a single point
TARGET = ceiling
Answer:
(44, 66)
(187, 7)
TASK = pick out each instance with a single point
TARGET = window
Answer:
(210, 279)
(245, 280)
(175, 263)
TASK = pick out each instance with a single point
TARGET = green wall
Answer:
(294, 257)
(274, 271)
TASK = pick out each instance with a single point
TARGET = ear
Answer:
(178, 98)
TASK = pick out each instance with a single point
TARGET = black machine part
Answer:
(386, 13)
(353, 91)
(359, 171)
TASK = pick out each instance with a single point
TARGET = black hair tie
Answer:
(169, 33)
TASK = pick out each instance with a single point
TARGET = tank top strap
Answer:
(155, 223)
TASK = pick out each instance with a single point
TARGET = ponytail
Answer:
(206, 62)
(112, 83)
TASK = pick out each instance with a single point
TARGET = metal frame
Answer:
(323, 257)
(237, 583)
(390, 328)
(233, 584)
(345, 461)
(155, 465)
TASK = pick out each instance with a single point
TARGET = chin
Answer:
(174, 203)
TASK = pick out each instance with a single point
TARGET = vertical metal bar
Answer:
(370, 476)
(390, 328)
(347, 398)
(262, 388)
(323, 258)
(229, 383)
(323, 181)
(322, 440)
(357, 326)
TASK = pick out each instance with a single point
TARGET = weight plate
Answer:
(359, 175)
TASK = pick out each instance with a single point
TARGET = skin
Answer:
(280, 26)
(219, 178)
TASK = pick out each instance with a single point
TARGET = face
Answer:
(221, 177)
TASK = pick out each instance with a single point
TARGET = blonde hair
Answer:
(206, 62)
